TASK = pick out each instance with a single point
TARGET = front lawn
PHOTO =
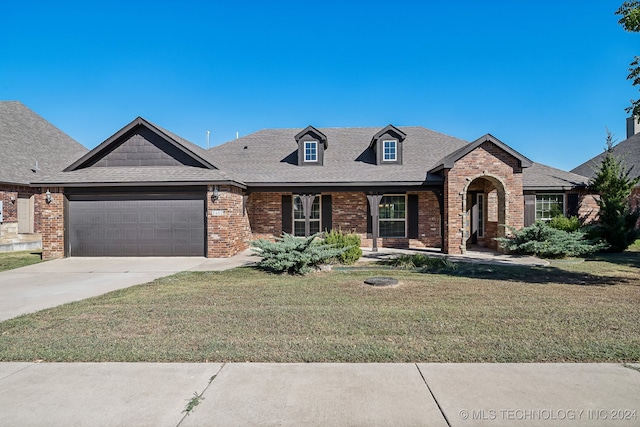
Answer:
(11, 260)
(573, 311)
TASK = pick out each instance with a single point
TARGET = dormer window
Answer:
(387, 144)
(311, 151)
(311, 147)
(390, 151)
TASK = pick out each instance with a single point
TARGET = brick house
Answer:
(30, 148)
(146, 191)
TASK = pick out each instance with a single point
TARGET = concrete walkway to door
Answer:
(52, 283)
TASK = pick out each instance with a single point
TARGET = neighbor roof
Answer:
(269, 157)
(27, 138)
(628, 151)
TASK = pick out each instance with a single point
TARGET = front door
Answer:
(25, 214)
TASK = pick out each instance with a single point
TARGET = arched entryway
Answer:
(484, 206)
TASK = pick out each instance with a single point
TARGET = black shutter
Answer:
(412, 216)
(572, 204)
(369, 222)
(529, 209)
(326, 212)
(287, 213)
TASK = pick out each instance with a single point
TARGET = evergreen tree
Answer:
(616, 218)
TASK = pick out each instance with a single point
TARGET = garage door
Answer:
(130, 226)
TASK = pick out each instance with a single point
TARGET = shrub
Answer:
(350, 242)
(294, 255)
(560, 222)
(423, 262)
(542, 240)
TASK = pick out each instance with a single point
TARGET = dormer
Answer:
(387, 144)
(311, 146)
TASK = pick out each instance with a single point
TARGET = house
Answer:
(30, 147)
(628, 151)
(145, 191)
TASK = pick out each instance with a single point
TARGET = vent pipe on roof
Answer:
(208, 139)
(633, 127)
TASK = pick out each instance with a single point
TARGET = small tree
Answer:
(617, 218)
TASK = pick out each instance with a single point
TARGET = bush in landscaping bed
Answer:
(423, 262)
(563, 223)
(294, 255)
(350, 242)
(542, 240)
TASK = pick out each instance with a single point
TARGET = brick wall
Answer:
(228, 229)
(349, 213)
(491, 164)
(264, 211)
(52, 223)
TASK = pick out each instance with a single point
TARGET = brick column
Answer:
(228, 230)
(51, 222)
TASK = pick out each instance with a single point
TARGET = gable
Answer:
(142, 144)
(491, 144)
(142, 147)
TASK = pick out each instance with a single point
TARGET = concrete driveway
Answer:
(52, 283)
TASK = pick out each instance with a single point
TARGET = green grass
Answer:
(573, 311)
(11, 260)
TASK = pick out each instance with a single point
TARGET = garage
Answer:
(136, 225)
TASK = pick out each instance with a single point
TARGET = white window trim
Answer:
(564, 205)
(395, 151)
(315, 143)
(394, 219)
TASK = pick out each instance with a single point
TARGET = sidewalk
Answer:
(258, 394)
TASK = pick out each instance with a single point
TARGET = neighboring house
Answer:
(628, 151)
(30, 147)
(146, 191)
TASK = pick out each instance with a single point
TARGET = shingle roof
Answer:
(150, 175)
(628, 151)
(543, 177)
(27, 138)
(270, 157)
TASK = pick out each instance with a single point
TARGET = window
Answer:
(390, 151)
(392, 216)
(299, 220)
(311, 151)
(549, 206)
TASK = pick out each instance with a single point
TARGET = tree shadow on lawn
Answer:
(627, 258)
(533, 274)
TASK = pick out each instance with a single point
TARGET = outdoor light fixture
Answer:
(13, 199)
(216, 193)
(48, 198)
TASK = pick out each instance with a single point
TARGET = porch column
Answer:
(374, 205)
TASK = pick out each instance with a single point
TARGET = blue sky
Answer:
(545, 77)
